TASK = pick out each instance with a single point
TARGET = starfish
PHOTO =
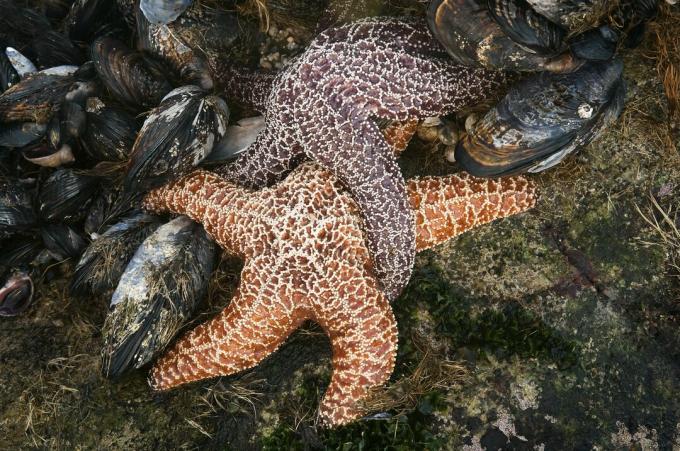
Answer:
(324, 106)
(306, 259)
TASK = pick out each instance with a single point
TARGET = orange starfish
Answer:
(306, 258)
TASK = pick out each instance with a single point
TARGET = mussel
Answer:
(188, 44)
(23, 65)
(542, 119)
(16, 294)
(63, 241)
(89, 19)
(103, 209)
(103, 262)
(163, 11)
(131, 77)
(511, 34)
(37, 97)
(17, 214)
(55, 49)
(159, 290)
(236, 139)
(21, 134)
(110, 132)
(473, 36)
(175, 138)
(65, 195)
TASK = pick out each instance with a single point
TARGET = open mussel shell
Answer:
(175, 138)
(21, 134)
(472, 35)
(49, 157)
(17, 214)
(62, 241)
(131, 78)
(65, 195)
(16, 294)
(542, 119)
(163, 11)
(158, 292)
(110, 132)
(103, 262)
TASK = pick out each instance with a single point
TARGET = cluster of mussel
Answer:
(89, 124)
(576, 88)
(101, 101)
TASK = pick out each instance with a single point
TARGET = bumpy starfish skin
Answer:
(306, 259)
(324, 106)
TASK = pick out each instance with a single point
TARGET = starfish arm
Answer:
(222, 207)
(259, 318)
(361, 158)
(266, 161)
(359, 321)
(448, 206)
(248, 87)
(399, 134)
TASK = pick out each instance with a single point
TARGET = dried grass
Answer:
(665, 51)
(433, 372)
(665, 222)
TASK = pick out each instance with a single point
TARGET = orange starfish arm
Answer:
(259, 318)
(220, 206)
(448, 206)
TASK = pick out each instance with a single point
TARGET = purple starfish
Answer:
(324, 106)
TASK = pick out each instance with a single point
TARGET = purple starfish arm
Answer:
(324, 106)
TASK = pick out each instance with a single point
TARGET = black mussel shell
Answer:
(35, 98)
(56, 10)
(16, 294)
(175, 138)
(526, 27)
(542, 119)
(66, 195)
(472, 35)
(103, 210)
(20, 25)
(236, 140)
(598, 44)
(21, 134)
(89, 19)
(131, 78)
(127, 9)
(55, 49)
(19, 252)
(158, 292)
(63, 241)
(8, 74)
(110, 132)
(17, 214)
(105, 259)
